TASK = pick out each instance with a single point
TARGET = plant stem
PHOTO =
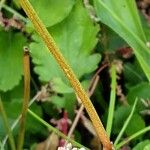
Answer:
(90, 92)
(146, 129)
(26, 63)
(19, 117)
(13, 12)
(112, 99)
(126, 123)
(6, 125)
(54, 129)
(39, 93)
(49, 41)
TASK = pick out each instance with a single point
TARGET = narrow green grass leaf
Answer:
(146, 129)
(123, 18)
(125, 124)
(54, 129)
(112, 99)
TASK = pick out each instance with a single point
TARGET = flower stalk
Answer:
(26, 68)
(47, 38)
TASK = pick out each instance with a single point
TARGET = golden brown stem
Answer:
(26, 68)
(41, 29)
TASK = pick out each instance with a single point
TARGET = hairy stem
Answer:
(75, 122)
(41, 29)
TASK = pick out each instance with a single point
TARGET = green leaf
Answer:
(11, 59)
(34, 127)
(135, 125)
(123, 18)
(75, 43)
(120, 119)
(146, 26)
(67, 102)
(2, 128)
(58, 101)
(16, 2)
(147, 147)
(133, 74)
(142, 145)
(52, 11)
(121, 115)
(110, 40)
(12, 103)
(59, 86)
(140, 91)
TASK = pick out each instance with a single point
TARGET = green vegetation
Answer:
(107, 46)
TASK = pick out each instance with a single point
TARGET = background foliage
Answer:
(90, 34)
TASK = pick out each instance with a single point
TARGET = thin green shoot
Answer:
(14, 12)
(135, 135)
(126, 123)
(112, 99)
(55, 130)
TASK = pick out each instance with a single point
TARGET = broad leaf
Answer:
(67, 102)
(147, 147)
(123, 18)
(11, 59)
(52, 11)
(12, 101)
(142, 145)
(59, 86)
(111, 41)
(121, 115)
(133, 74)
(76, 38)
(140, 91)
(133, 127)
(145, 25)
(12, 104)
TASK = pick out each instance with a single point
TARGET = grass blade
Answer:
(146, 129)
(122, 17)
(54, 129)
(112, 99)
(126, 123)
